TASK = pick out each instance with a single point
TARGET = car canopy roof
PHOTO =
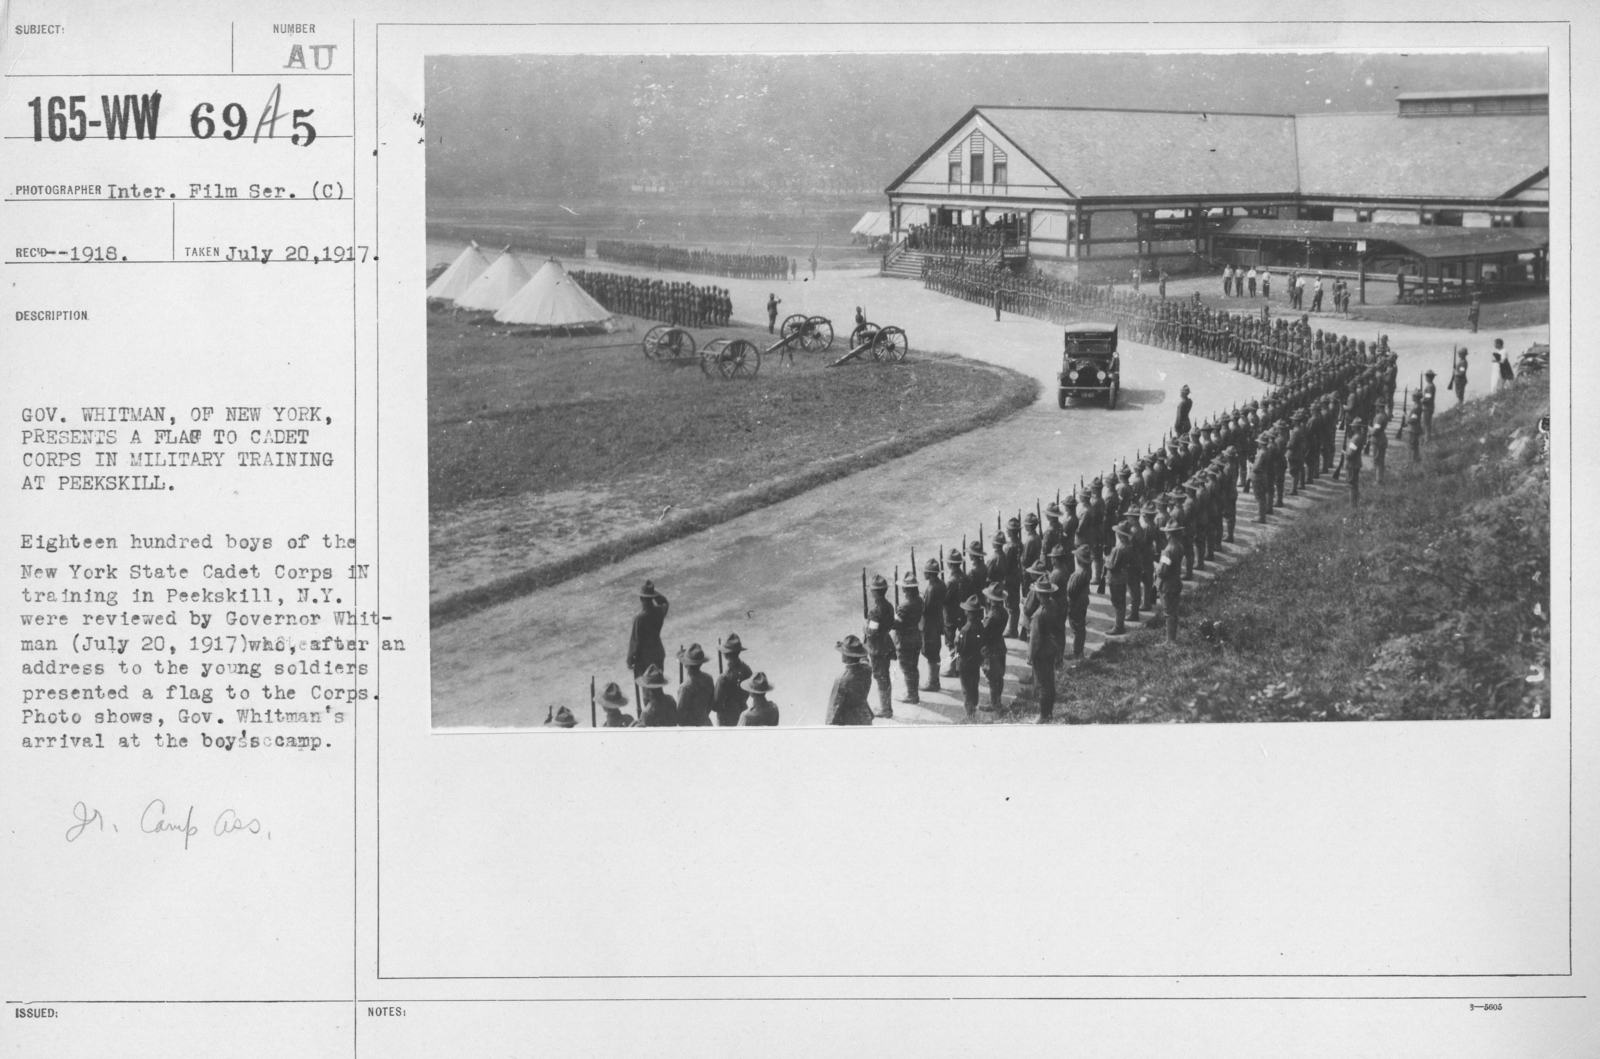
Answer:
(1086, 328)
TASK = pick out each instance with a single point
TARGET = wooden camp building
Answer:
(1103, 191)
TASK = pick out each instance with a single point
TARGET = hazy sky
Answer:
(531, 125)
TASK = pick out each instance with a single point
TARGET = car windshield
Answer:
(1087, 346)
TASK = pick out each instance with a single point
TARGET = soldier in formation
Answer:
(908, 634)
(730, 698)
(761, 712)
(880, 625)
(847, 702)
(1143, 529)
(1274, 349)
(697, 692)
(1044, 648)
(677, 303)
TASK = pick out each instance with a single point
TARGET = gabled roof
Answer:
(1101, 153)
(1382, 156)
(1127, 153)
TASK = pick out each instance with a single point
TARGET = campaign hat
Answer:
(612, 698)
(757, 684)
(563, 719)
(649, 591)
(972, 603)
(653, 678)
(732, 646)
(852, 648)
(694, 656)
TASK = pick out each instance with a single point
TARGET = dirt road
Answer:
(787, 578)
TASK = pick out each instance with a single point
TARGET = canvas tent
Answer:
(454, 281)
(872, 225)
(495, 287)
(552, 299)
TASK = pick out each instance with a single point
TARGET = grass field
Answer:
(543, 451)
(1430, 601)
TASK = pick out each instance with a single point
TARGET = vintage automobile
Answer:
(1090, 366)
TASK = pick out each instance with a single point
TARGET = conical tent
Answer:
(454, 281)
(497, 284)
(552, 299)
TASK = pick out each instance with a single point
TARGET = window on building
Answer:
(976, 157)
(955, 165)
(1002, 168)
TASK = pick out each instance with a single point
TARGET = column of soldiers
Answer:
(1275, 350)
(677, 303)
(1140, 530)
(706, 262)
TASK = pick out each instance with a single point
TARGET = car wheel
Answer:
(1061, 398)
(1111, 395)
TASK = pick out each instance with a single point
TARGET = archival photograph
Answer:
(945, 389)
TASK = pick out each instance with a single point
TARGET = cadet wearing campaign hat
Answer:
(613, 701)
(698, 692)
(880, 623)
(761, 713)
(660, 710)
(731, 696)
(908, 634)
(1044, 644)
(645, 648)
(847, 702)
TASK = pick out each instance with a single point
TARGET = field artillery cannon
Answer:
(730, 358)
(667, 343)
(722, 358)
(814, 334)
(883, 344)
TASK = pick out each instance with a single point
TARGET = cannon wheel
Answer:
(794, 327)
(867, 332)
(739, 359)
(819, 336)
(711, 357)
(653, 341)
(665, 342)
(678, 344)
(891, 345)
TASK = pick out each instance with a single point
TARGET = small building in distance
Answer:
(1103, 191)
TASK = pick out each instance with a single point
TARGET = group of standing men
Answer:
(737, 697)
(679, 304)
(1138, 533)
